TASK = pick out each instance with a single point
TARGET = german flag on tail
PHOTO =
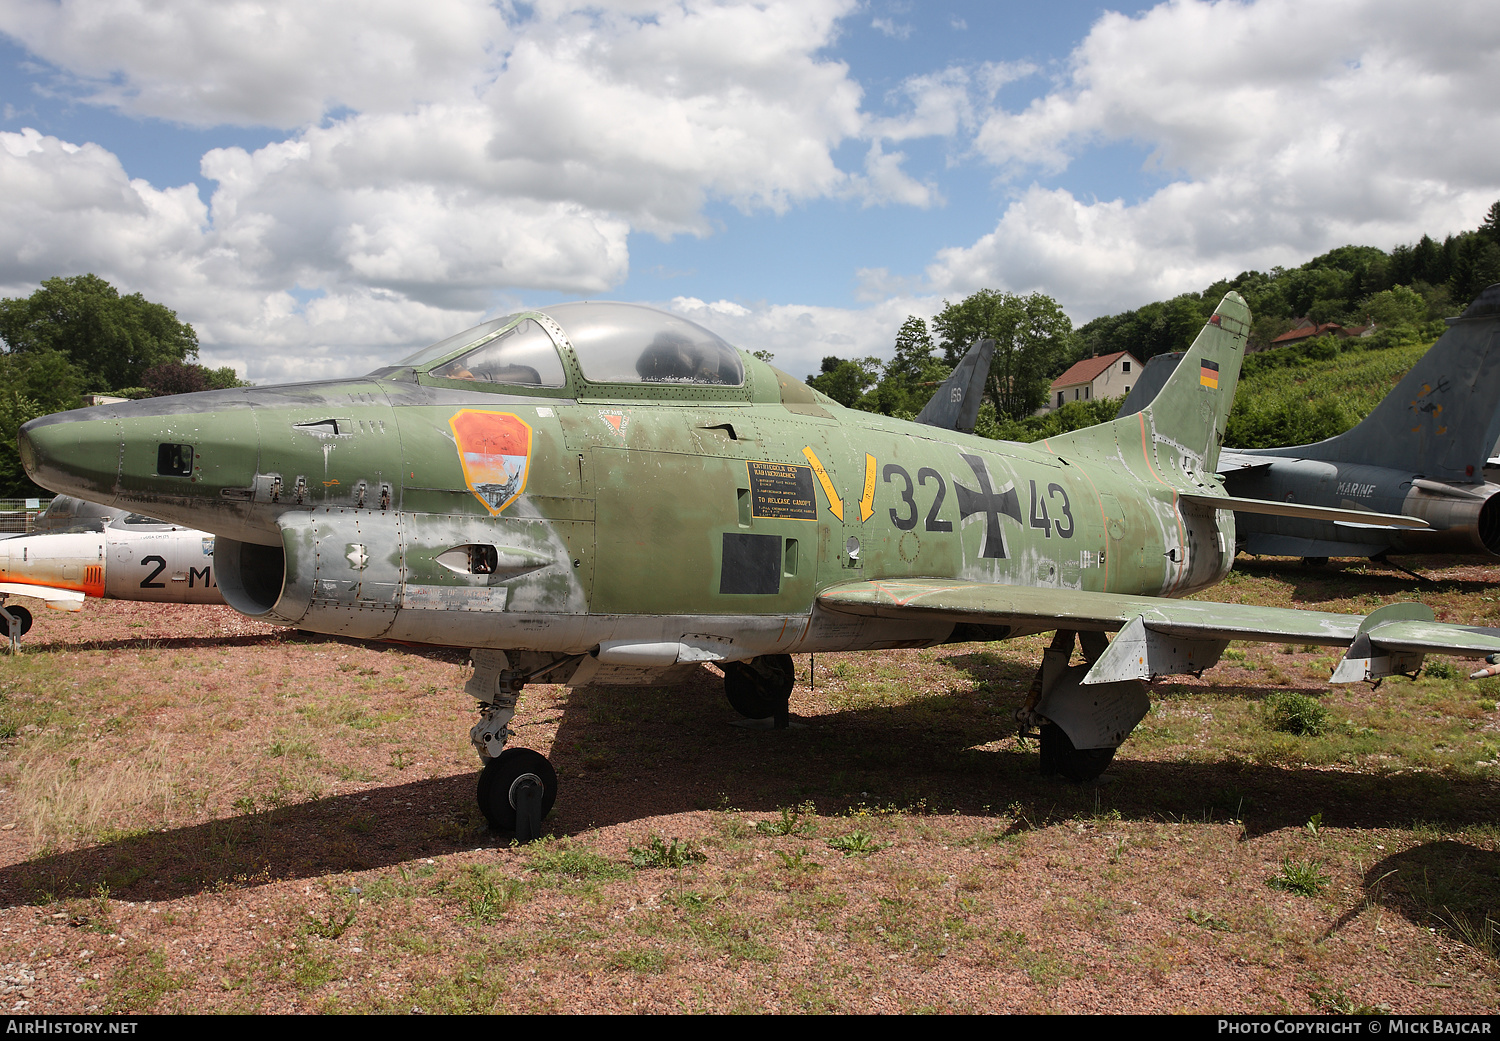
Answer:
(1208, 374)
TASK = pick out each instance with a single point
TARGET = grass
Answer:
(1292, 713)
(326, 854)
(1303, 877)
(669, 854)
(856, 843)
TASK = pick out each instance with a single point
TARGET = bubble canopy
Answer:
(613, 342)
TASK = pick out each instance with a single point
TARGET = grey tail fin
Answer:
(1150, 382)
(955, 404)
(1442, 419)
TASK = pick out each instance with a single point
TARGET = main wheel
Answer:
(760, 687)
(500, 778)
(22, 617)
(1076, 764)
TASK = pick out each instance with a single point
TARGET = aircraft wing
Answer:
(57, 599)
(1360, 518)
(1160, 636)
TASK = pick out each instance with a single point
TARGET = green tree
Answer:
(910, 378)
(31, 385)
(1395, 307)
(1031, 334)
(175, 377)
(1476, 264)
(845, 381)
(1490, 229)
(110, 339)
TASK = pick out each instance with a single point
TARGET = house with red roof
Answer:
(1107, 376)
(1306, 329)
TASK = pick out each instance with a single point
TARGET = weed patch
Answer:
(671, 854)
(857, 843)
(1303, 877)
(1291, 713)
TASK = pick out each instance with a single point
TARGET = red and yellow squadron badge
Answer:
(495, 449)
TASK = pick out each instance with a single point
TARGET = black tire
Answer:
(21, 615)
(1076, 764)
(1314, 561)
(758, 689)
(500, 775)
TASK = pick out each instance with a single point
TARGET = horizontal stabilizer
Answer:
(1364, 518)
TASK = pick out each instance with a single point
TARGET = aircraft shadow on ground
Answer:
(151, 643)
(630, 755)
(1343, 578)
(1449, 886)
(277, 636)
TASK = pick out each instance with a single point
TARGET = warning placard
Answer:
(781, 491)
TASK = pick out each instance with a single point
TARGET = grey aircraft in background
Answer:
(1422, 452)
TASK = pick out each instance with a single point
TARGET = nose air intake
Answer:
(251, 576)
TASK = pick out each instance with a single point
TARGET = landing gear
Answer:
(20, 616)
(762, 687)
(1314, 561)
(517, 786)
(1099, 715)
(516, 792)
(1076, 764)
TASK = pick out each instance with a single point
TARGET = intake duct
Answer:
(250, 576)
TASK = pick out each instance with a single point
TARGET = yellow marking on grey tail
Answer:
(867, 500)
(835, 504)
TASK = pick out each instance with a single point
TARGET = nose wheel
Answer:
(17, 615)
(516, 792)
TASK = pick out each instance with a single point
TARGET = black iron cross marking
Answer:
(990, 503)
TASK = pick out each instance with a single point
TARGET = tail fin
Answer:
(1150, 382)
(1189, 413)
(955, 404)
(1442, 419)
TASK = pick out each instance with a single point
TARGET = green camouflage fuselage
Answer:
(416, 508)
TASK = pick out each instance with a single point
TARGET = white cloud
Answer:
(444, 158)
(1288, 127)
(801, 336)
(252, 62)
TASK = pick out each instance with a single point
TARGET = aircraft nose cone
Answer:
(73, 453)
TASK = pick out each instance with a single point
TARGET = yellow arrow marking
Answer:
(867, 500)
(835, 504)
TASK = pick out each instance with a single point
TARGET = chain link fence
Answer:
(18, 516)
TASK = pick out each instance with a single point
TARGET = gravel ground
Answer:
(201, 813)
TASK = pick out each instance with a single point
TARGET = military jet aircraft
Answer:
(83, 550)
(606, 492)
(1420, 453)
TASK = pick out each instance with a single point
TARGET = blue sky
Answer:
(320, 187)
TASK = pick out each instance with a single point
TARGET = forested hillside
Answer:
(1290, 394)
